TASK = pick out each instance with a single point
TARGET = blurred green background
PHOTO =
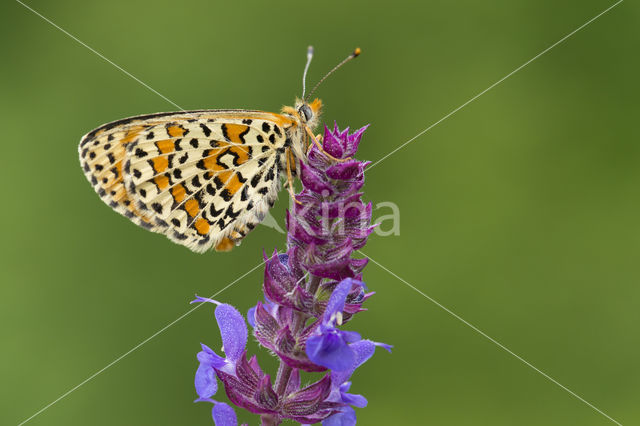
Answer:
(519, 212)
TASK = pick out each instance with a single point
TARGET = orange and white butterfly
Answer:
(203, 178)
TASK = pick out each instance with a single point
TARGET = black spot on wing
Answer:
(214, 212)
(219, 183)
(205, 129)
(270, 174)
(255, 180)
(230, 213)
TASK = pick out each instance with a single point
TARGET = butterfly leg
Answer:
(290, 178)
(315, 141)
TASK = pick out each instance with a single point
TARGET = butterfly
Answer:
(204, 178)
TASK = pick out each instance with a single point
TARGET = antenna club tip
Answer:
(357, 51)
(310, 50)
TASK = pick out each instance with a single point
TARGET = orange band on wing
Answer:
(132, 134)
(176, 131)
(202, 226)
(166, 146)
(160, 164)
(233, 185)
(235, 132)
(162, 182)
(192, 207)
(178, 193)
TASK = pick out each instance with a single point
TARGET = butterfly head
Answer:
(309, 113)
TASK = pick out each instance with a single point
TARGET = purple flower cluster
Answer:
(309, 293)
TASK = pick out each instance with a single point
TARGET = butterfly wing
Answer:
(203, 178)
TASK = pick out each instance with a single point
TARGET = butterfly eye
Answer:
(306, 111)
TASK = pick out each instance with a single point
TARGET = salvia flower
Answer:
(310, 292)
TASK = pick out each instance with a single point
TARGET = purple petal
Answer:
(251, 316)
(209, 357)
(337, 299)
(350, 398)
(350, 336)
(223, 415)
(347, 417)
(363, 350)
(355, 400)
(330, 350)
(199, 299)
(205, 381)
(233, 331)
(384, 346)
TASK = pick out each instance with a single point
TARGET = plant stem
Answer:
(282, 379)
(313, 285)
(269, 420)
(299, 320)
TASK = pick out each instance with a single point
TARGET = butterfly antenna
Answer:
(306, 68)
(353, 55)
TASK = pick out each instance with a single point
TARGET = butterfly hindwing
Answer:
(203, 178)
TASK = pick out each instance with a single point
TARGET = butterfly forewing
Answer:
(203, 178)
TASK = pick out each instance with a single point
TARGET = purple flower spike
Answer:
(310, 291)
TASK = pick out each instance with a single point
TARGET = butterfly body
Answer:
(203, 178)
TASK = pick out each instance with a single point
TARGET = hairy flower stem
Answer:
(284, 371)
(282, 379)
